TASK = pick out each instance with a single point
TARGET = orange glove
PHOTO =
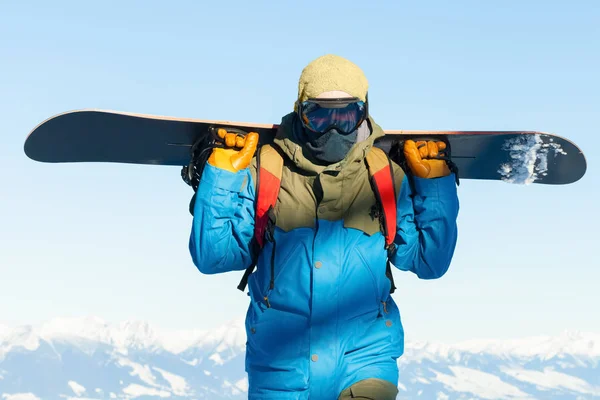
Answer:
(232, 159)
(421, 155)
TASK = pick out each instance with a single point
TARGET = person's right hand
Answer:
(238, 152)
(421, 157)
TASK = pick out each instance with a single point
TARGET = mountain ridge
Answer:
(141, 334)
(89, 358)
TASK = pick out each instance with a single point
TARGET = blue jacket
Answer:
(331, 320)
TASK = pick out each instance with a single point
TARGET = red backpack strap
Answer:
(384, 186)
(270, 167)
(382, 178)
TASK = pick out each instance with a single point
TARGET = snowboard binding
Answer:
(199, 154)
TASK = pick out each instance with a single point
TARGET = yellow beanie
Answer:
(331, 72)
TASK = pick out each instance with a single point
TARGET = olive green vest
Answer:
(341, 191)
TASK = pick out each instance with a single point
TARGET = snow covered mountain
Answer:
(90, 359)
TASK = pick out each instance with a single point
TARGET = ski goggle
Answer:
(322, 115)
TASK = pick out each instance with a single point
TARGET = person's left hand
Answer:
(238, 152)
(421, 158)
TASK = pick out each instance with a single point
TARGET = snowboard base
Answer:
(520, 157)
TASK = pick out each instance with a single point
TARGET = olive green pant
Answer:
(370, 389)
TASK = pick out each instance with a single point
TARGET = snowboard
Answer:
(90, 135)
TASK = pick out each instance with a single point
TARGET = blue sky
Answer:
(111, 239)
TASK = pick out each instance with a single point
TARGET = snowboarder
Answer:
(322, 214)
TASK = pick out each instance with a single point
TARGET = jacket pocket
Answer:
(277, 351)
(259, 283)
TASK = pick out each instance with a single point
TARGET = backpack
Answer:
(268, 180)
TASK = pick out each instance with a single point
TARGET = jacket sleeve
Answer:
(427, 232)
(223, 223)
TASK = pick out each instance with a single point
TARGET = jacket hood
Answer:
(289, 144)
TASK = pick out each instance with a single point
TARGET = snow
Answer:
(91, 328)
(142, 371)
(193, 363)
(234, 389)
(135, 390)
(179, 341)
(574, 343)
(76, 388)
(544, 347)
(88, 332)
(20, 396)
(242, 384)
(529, 158)
(565, 365)
(228, 341)
(549, 379)
(78, 398)
(228, 336)
(149, 376)
(127, 334)
(20, 337)
(484, 385)
(136, 335)
(178, 383)
(216, 357)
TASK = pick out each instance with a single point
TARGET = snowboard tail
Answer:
(520, 157)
